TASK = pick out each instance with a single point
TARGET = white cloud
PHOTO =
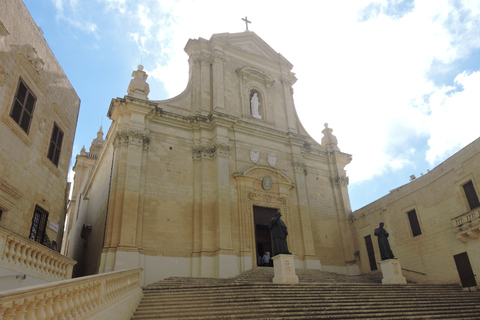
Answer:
(119, 5)
(454, 119)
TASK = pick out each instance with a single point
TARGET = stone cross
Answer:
(246, 22)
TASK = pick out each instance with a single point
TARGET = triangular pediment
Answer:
(249, 41)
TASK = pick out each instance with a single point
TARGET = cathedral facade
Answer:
(187, 186)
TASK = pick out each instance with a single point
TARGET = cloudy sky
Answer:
(398, 81)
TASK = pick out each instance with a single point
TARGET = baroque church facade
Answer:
(187, 186)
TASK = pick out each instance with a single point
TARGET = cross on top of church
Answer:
(246, 22)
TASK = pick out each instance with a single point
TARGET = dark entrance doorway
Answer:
(464, 268)
(263, 241)
(371, 253)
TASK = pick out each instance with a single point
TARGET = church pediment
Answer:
(249, 41)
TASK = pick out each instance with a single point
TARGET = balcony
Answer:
(467, 225)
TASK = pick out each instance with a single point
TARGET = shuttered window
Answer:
(471, 195)
(55, 145)
(414, 225)
(23, 106)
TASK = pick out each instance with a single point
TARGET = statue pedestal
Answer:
(284, 269)
(392, 272)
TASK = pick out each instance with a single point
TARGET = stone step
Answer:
(333, 312)
(241, 308)
(319, 295)
(215, 300)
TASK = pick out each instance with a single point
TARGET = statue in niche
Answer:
(385, 251)
(255, 105)
(279, 233)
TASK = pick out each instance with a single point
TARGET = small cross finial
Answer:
(246, 22)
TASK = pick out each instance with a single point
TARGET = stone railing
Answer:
(113, 295)
(30, 257)
(467, 225)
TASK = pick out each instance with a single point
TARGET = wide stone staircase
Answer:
(319, 295)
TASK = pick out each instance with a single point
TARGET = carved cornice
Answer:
(126, 137)
(299, 167)
(334, 153)
(210, 152)
(289, 79)
(339, 181)
(266, 198)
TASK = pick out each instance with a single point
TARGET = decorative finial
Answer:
(139, 87)
(329, 140)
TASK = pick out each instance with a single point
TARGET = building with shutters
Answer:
(38, 110)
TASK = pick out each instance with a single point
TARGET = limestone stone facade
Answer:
(433, 223)
(38, 111)
(186, 186)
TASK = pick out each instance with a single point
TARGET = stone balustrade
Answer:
(467, 225)
(30, 257)
(113, 295)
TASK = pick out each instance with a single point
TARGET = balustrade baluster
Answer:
(34, 262)
(10, 249)
(48, 266)
(18, 253)
(81, 298)
(23, 256)
(65, 306)
(56, 269)
(39, 307)
(30, 307)
(71, 305)
(49, 307)
(28, 261)
(76, 302)
(43, 263)
(57, 305)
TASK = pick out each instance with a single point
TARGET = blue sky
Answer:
(398, 81)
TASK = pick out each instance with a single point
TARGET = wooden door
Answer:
(371, 253)
(464, 268)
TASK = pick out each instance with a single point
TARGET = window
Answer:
(23, 106)
(55, 145)
(39, 224)
(412, 216)
(471, 195)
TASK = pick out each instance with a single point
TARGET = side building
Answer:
(39, 111)
(433, 223)
(188, 186)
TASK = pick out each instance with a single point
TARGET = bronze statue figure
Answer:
(279, 234)
(385, 251)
